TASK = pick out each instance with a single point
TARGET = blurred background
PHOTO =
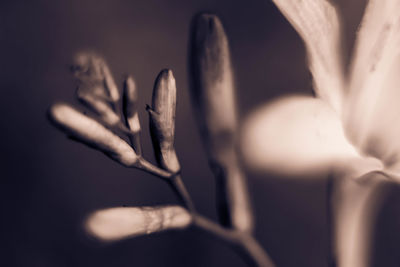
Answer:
(49, 183)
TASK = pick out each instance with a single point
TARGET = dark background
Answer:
(49, 183)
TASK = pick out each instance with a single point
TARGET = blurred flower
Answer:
(355, 117)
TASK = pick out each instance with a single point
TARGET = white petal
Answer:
(372, 112)
(295, 135)
(317, 22)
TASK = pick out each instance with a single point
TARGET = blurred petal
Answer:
(371, 117)
(118, 223)
(317, 22)
(295, 135)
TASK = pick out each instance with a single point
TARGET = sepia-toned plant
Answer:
(110, 124)
(347, 132)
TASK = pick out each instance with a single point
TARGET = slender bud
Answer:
(90, 132)
(162, 120)
(130, 98)
(96, 87)
(117, 223)
(214, 104)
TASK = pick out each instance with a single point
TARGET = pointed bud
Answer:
(117, 223)
(213, 99)
(162, 120)
(92, 133)
(212, 84)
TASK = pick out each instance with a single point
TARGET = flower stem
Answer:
(180, 190)
(242, 241)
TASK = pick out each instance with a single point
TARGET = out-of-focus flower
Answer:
(355, 117)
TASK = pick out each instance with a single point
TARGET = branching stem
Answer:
(242, 242)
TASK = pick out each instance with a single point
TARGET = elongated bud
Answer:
(212, 84)
(162, 120)
(101, 108)
(96, 87)
(213, 99)
(130, 99)
(117, 223)
(91, 133)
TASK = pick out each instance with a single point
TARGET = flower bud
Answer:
(131, 115)
(91, 69)
(130, 99)
(117, 223)
(96, 87)
(162, 120)
(214, 104)
(92, 133)
(212, 85)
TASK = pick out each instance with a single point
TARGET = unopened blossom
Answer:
(214, 103)
(162, 120)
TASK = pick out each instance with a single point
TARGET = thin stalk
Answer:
(180, 190)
